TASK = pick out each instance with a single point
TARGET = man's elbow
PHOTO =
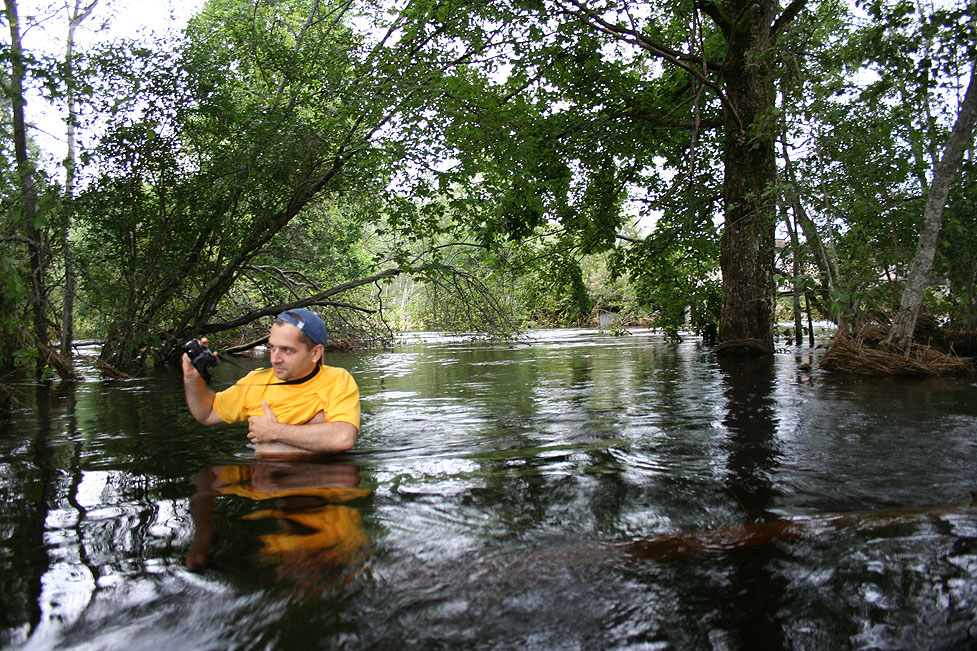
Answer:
(345, 438)
(208, 419)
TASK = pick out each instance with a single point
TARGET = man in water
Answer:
(297, 406)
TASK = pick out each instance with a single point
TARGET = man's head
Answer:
(312, 327)
(297, 343)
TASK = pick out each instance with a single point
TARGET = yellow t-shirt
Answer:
(332, 391)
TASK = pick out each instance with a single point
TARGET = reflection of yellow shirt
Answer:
(238, 480)
(328, 533)
(333, 533)
(332, 391)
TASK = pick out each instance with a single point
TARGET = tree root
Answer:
(742, 346)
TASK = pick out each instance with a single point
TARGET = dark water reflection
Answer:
(574, 491)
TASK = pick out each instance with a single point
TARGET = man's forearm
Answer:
(337, 436)
(200, 398)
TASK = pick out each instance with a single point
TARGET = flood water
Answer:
(570, 491)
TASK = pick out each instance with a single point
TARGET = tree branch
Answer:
(317, 299)
(19, 238)
(675, 57)
(785, 18)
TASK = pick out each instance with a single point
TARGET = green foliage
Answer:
(607, 290)
(494, 154)
(871, 103)
(551, 291)
(560, 137)
(582, 127)
(14, 337)
(674, 274)
(244, 179)
(448, 282)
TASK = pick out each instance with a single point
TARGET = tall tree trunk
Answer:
(795, 246)
(78, 15)
(810, 320)
(961, 137)
(750, 173)
(25, 172)
(827, 270)
(745, 87)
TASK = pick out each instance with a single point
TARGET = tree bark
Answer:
(795, 246)
(827, 271)
(747, 246)
(904, 323)
(25, 173)
(68, 306)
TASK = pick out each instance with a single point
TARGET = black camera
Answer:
(201, 357)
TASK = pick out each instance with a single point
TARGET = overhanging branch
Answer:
(675, 57)
(317, 299)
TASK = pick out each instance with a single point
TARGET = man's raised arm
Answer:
(200, 399)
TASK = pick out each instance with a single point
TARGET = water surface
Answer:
(573, 490)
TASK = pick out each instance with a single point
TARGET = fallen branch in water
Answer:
(724, 539)
(111, 372)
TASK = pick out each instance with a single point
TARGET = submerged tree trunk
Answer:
(750, 173)
(904, 322)
(796, 270)
(823, 261)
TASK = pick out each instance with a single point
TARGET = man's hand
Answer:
(273, 438)
(264, 428)
(200, 399)
(188, 370)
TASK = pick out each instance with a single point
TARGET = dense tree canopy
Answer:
(502, 155)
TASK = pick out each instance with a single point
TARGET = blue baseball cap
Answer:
(308, 322)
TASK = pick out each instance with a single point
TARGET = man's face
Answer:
(290, 357)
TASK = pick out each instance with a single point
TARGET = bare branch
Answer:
(317, 299)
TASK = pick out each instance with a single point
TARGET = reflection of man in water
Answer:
(295, 407)
(319, 538)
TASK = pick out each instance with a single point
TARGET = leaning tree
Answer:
(268, 136)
